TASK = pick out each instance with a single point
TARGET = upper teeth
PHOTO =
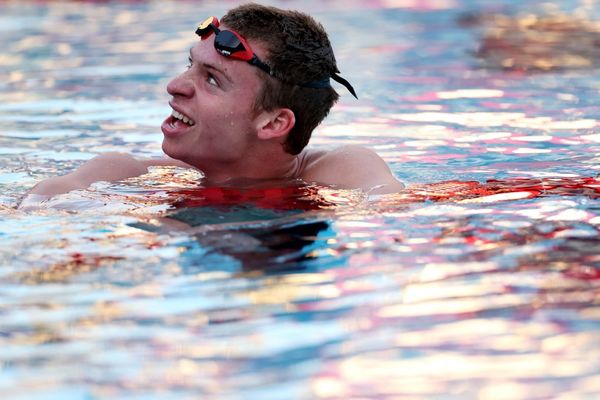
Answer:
(183, 118)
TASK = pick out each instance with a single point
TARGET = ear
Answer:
(275, 124)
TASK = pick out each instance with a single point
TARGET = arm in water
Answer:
(104, 167)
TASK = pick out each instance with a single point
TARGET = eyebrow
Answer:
(218, 70)
(213, 68)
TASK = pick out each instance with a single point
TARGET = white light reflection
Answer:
(470, 94)
(488, 119)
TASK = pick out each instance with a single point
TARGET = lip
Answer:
(179, 110)
(171, 126)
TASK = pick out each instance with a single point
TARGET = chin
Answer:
(177, 152)
(170, 150)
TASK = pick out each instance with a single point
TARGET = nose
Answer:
(181, 86)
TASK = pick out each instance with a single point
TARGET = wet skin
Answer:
(228, 137)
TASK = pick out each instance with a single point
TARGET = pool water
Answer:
(481, 280)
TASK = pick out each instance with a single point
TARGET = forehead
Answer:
(238, 71)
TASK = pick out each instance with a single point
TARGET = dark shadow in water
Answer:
(266, 228)
(270, 249)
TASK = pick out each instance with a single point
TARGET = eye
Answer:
(190, 62)
(210, 78)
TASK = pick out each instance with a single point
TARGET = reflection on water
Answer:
(532, 42)
(480, 280)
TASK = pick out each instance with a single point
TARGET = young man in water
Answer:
(257, 85)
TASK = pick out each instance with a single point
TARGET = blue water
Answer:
(436, 293)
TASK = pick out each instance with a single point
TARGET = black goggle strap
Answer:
(344, 82)
(324, 83)
(256, 62)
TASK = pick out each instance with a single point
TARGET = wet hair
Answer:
(298, 52)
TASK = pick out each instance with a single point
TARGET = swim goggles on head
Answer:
(229, 43)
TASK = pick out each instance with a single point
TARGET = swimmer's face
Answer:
(214, 123)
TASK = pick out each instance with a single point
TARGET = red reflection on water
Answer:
(535, 187)
(297, 197)
(303, 197)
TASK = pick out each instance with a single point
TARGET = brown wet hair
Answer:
(299, 52)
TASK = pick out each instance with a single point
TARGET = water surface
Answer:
(486, 286)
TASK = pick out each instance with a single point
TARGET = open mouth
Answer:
(182, 117)
(177, 123)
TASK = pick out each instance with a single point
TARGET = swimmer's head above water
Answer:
(294, 61)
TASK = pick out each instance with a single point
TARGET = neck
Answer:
(269, 166)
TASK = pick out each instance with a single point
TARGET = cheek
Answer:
(231, 116)
(241, 120)
(233, 119)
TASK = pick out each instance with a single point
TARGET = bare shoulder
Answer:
(115, 166)
(112, 166)
(103, 167)
(165, 162)
(350, 167)
(123, 165)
